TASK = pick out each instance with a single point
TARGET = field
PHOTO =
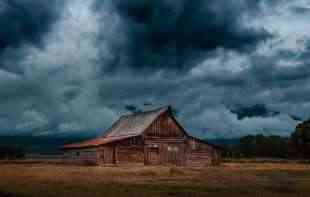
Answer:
(229, 179)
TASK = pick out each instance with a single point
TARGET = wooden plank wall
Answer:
(123, 152)
(106, 154)
(130, 151)
(165, 135)
(164, 126)
(201, 154)
(81, 156)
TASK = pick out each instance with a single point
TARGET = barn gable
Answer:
(165, 125)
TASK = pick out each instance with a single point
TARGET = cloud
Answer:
(25, 22)
(257, 110)
(132, 108)
(176, 34)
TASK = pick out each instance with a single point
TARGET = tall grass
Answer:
(229, 179)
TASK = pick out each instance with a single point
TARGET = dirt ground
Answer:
(229, 179)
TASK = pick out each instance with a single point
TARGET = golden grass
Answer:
(230, 179)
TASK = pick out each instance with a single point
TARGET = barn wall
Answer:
(164, 142)
(106, 154)
(168, 153)
(81, 156)
(122, 152)
(201, 154)
(128, 155)
(130, 151)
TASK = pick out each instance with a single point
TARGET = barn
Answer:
(147, 138)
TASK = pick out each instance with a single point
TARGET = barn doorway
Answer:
(153, 154)
(107, 155)
(173, 154)
(101, 156)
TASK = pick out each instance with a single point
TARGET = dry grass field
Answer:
(230, 179)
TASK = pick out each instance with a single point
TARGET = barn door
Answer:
(101, 155)
(153, 155)
(108, 155)
(173, 154)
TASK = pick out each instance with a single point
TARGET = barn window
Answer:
(77, 153)
(153, 147)
(195, 145)
(173, 148)
(133, 141)
(102, 155)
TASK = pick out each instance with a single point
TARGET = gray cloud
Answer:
(177, 34)
(24, 22)
(258, 110)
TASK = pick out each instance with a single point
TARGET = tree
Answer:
(301, 139)
(263, 146)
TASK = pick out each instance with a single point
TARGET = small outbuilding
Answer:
(148, 138)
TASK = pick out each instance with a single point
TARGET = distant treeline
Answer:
(17, 147)
(12, 152)
(294, 147)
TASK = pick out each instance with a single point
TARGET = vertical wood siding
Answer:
(164, 142)
(81, 156)
(164, 126)
(130, 151)
(201, 154)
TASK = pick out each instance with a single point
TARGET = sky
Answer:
(229, 68)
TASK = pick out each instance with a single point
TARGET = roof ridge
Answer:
(148, 111)
(115, 136)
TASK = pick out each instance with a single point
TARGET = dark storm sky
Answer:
(229, 67)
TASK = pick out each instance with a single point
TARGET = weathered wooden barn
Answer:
(150, 138)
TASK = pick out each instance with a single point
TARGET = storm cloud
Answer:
(178, 34)
(73, 68)
(25, 22)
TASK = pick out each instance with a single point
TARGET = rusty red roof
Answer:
(94, 142)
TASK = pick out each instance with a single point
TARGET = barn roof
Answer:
(134, 124)
(94, 142)
(125, 127)
(128, 126)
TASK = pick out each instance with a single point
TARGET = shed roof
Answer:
(94, 142)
